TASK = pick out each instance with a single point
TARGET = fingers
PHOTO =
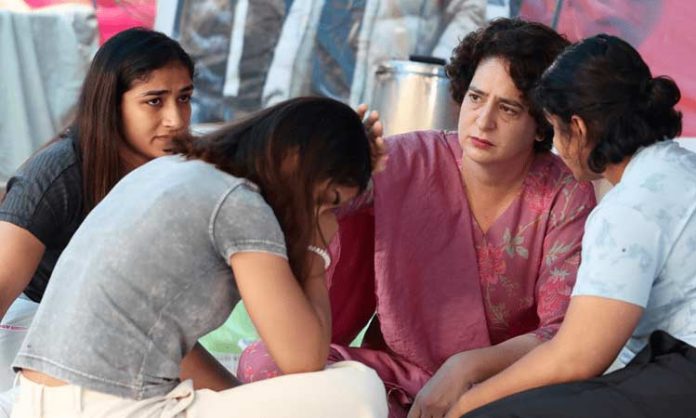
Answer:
(379, 154)
(426, 407)
(415, 411)
(368, 119)
(371, 118)
(374, 125)
(361, 110)
(375, 130)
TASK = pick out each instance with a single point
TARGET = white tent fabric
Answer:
(390, 29)
(254, 53)
(45, 55)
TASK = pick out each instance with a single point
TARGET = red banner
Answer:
(113, 16)
(664, 31)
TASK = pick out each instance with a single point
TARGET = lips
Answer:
(480, 142)
(161, 143)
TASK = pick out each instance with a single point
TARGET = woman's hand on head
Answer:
(378, 148)
(292, 318)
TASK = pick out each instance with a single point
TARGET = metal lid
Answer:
(411, 67)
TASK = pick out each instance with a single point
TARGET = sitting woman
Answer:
(635, 295)
(476, 235)
(162, 260)
(135, 98)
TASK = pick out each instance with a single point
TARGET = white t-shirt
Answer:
(640, 244)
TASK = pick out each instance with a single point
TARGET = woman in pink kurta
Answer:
(457, 301)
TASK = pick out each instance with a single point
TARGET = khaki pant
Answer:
(344, 390)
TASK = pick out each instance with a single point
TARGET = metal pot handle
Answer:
(427, 59)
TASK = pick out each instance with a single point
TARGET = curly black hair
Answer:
(604, 80)
(528, 47)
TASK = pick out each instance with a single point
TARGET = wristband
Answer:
(321, 253)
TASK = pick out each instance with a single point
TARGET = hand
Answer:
(459, 408)
(442, 391)
(327, 227)
(378, 148)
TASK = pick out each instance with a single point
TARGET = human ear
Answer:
(578, 128)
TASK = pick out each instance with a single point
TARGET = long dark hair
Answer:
(287, 150)
(128, 56)
(528, 47)
(605, 81)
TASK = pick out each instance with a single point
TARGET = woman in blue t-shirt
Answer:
(135, 97)
(635, 295)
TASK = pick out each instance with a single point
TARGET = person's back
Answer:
(111, 276)
(657, 197)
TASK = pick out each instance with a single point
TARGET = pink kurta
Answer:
(442, 286)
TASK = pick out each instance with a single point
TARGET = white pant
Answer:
(12, 332)
(344, 390)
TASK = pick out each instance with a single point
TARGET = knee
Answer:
(256, 364)
(362, 389)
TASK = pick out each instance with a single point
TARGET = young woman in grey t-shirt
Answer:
(136, 96)
(244, 213)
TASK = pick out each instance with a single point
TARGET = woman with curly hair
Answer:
(476, 235)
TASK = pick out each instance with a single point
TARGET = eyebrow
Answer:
(186, 89)
(509, 102)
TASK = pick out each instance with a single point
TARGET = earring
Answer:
(539, 139)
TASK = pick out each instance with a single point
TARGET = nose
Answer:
(174, 117)
(485, 120)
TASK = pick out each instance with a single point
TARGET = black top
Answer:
(45, 198)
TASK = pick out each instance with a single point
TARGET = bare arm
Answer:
(461, 371)
(592, 334)
(293, 319)
(20, 254)
(480, 364)
(205, 371)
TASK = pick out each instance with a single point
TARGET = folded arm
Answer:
(590, 338)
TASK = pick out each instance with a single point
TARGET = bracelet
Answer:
(321, 253)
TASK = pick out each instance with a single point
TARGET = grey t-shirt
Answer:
(45, 198)
(146, 275)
